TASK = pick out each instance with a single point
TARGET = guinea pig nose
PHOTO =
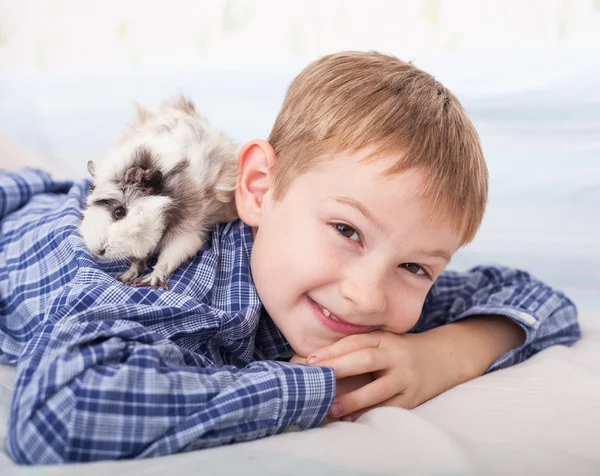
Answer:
(101, 251)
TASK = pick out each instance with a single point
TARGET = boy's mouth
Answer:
(335, 323)
(328, 314)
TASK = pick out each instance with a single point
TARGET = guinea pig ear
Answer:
(142, 115)
(91, 168)
(179, 102)
(152, 178)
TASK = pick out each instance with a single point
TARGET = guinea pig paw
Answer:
(128, 277)
(127, 282)
(154, 280)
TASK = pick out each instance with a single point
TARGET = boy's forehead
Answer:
(367, 169)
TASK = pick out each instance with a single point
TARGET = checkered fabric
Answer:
(109, 371)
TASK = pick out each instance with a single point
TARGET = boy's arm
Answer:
(91, 388)
(545, 316)
(472, 322)
(467, 348)
(17, 188)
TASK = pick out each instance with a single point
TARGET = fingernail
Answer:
(336, 409)
(311, 359)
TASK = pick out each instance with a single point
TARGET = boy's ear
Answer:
(255, 160)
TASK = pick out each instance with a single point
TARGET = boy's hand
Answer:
(410, 369)
(402, 375)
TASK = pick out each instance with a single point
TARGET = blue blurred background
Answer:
(527, 71)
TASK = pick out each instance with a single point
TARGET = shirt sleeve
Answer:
(90, 388)
(546, 315)
(17, 188)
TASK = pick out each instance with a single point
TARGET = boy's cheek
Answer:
(405, 312)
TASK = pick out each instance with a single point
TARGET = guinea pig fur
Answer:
(170, 179)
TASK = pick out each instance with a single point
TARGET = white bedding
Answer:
(541, 135)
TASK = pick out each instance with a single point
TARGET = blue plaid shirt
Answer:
(108, 371)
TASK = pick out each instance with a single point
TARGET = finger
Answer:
(370, 395)
(356, 415)
(296, 359)
(398, 401)
(359, 362)
(345, 346)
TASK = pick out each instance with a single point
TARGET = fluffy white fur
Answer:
(133, 237)
(193, 170)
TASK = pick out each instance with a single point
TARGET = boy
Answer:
(371, 179)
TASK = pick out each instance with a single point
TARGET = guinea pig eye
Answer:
(119, 213)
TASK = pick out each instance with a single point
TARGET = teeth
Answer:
(329, 315)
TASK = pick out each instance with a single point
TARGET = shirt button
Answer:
(527, 318)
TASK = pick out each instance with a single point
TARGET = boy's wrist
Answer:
(465, 349)
(306, 391)
(441, 367)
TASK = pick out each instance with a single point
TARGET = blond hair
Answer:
(349, 101)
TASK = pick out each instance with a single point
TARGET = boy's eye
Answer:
(347, 231)
(119, 213)
(414, 269)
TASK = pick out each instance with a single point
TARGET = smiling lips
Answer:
(336, 324)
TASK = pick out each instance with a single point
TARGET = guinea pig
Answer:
(170, 179)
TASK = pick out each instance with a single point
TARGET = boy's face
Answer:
(347, 250)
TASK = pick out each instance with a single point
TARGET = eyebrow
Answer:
(437, 253)
(361, 209)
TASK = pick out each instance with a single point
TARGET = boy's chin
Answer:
(307, 347)
(301, 348)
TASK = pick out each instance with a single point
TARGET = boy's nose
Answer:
(367, 295)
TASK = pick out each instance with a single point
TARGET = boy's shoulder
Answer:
(231, 242)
